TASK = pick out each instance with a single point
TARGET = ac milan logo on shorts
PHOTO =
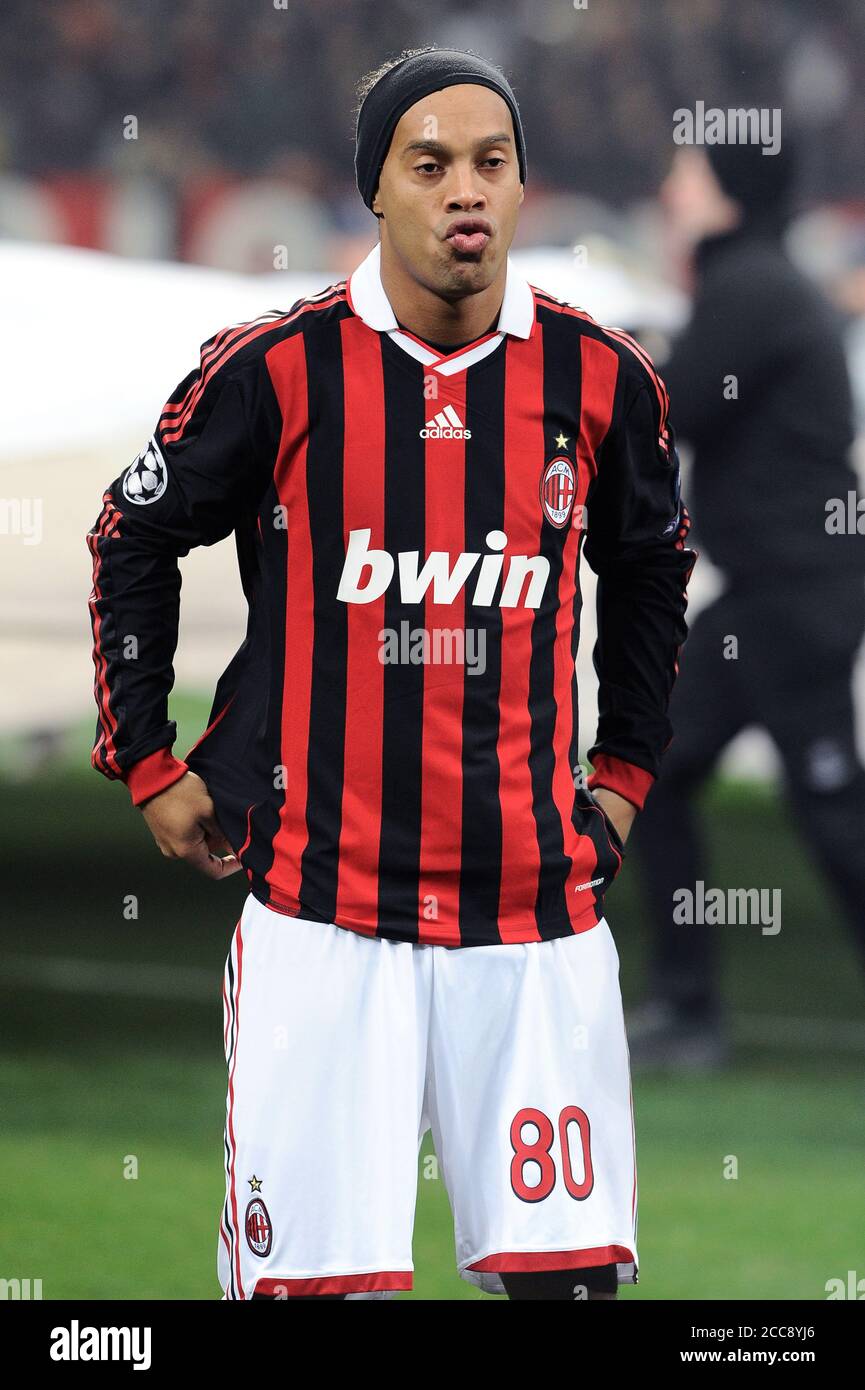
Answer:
(259, 1232)
(558, 490)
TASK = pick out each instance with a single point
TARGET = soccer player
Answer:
(410, 462)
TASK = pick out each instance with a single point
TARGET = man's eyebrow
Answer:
(437, 147)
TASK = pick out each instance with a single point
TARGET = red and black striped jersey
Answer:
(394, 747)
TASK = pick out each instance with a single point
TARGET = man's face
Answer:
(452, 159)
(692, 199)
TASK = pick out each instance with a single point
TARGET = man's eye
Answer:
(431, 167)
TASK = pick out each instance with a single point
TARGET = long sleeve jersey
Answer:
(394, 747)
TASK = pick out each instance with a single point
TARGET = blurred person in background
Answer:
(759, 387)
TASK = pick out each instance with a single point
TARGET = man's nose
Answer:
(463, 189)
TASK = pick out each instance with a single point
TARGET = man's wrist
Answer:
(628, 781)
(153, 774)
(618, 809)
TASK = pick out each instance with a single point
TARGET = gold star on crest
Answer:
(561, 441)
(255, 1183)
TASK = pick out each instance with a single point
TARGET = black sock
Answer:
(560, 1283)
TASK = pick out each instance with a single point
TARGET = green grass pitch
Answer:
(89, 1078)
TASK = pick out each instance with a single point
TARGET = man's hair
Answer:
(366, 83)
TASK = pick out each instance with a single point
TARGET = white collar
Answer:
(367, 299)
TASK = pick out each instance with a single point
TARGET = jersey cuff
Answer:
(632, 782)
(153, 774)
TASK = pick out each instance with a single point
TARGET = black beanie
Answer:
(762, 183)
(404, 84)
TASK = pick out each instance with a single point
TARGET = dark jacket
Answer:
(767, 462)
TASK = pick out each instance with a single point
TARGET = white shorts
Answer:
(343, 1050)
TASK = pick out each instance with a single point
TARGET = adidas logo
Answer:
(446, 425)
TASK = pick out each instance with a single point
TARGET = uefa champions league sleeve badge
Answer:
(146, 478)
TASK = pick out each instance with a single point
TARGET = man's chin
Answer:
(471, 272)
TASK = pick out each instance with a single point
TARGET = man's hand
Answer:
(183, 823)
(621, 812)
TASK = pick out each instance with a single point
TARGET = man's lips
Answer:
(468, 241)
(469, 235)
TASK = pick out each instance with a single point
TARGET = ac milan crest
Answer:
(259, 1232)
(558, 490)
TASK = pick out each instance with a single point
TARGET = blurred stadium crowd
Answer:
(226, 91)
